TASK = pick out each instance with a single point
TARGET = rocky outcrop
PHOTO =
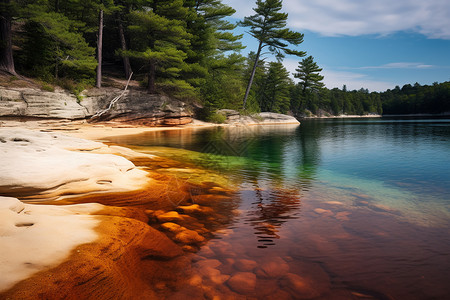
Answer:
(27, 102)
(134, 106)
(140, 108)
(28, 155)
(264, 118)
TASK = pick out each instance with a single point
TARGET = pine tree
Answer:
(223, 87)
(275, 96)
(158, 41)
(308, 73)
(54, 42)
(309, 86)
(268, 26)
(211, 37)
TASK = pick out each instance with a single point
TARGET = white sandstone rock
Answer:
(37, 237)
(39, 162)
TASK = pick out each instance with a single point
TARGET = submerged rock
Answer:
(169, 216)
(272, 268)
(242, 282)
(172, 227)
(189, 237)
(245, 265)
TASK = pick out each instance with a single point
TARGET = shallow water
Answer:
(331, 209)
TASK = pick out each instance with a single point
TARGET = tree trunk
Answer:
(151, 78)
(99, 49)
(6, 53)
(123, 45)
(252, 76)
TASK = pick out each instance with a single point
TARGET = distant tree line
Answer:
(185, 49)
(410, 99)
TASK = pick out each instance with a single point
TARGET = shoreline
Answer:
(103, 130)
(122, 216)
(342, 117)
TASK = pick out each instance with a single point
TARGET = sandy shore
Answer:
(96, 131)
(90, 227)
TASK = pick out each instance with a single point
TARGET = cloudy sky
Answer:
(375, 44)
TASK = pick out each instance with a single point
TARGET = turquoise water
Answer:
(360, 207)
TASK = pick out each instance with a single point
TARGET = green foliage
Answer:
(305, 94)
(217, 118)
(47, 87)
(223, 87)
(157, 41)
(53, 47)
(274, 94)
(308, 73)
(426, 99)
(268, 26)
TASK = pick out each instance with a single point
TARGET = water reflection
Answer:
(269, 210)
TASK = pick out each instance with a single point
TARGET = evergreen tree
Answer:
(258, 82)
(275, 96)
(211, 37)
(54, 44)
(308, 73)
(158, 41)
(268, 26)
(223, 87)
(309, 86)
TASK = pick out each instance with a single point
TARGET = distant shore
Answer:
(342, 117)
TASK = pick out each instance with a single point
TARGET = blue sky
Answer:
(375, 44)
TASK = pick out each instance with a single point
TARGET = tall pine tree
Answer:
(158, 42)
(268, 26)
(309, 86)
(308, 73)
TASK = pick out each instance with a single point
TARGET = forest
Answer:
(187, 49)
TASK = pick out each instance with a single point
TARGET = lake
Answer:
(330, 209)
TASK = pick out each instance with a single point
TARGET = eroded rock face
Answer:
(27, 102)
(141, 108)
(135, 107)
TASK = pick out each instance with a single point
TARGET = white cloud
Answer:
(359, 17)
(400, 65)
